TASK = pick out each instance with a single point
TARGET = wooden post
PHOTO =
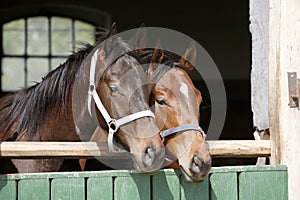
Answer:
(259, 21)
(284, 57)
(259, 26)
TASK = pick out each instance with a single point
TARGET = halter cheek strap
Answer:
(185, 127)
(113, 124)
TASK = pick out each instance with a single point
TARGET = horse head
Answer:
(176, 107)
(118, 99)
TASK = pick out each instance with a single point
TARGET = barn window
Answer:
(33, 46)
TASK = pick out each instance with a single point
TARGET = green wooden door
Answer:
(223, 183)
(263, 185)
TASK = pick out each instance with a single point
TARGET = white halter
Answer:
(113, 124)
(184, 127)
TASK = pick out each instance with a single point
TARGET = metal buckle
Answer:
(113, 125)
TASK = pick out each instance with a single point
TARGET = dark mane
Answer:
(28, 107)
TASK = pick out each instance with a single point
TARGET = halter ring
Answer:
(113, 125)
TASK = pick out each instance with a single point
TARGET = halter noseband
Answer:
(185, 127)
(113, 124)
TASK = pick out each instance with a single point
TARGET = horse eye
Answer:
(113, 89)
(162, 101)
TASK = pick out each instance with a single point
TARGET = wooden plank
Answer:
(220, 148)
(223, 186)
(136, 186)
(195, 191)
(115, 173)
(56, 149)
(248, 168)
(284, 51)
(239, 148)
(33, 189)
(165, 187)
(259, 27)
(100, 188)
(66, 175)
(8, 189)
(274, 81)
(68, 188)
(263, 185)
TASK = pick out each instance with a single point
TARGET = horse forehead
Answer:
(177, 80)
(123, 65)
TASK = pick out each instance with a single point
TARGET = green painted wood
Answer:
(100, 188)
(163, 184)
(53, 175)
(248, 168)
(263, 185)
(110, 173)
(165, 187)
(136, 186)
(195, 191)
(224, 186)
(68, 188)
(33, 189)
(8, 190)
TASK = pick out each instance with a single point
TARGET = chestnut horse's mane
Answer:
(29, 106)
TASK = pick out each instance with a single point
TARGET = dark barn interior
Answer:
(222, 28)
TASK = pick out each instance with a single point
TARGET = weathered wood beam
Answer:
(56, 149)
(220, 148)
(239, 148)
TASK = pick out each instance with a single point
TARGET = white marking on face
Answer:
(184, 90)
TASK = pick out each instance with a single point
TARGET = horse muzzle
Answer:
(197, 170)
(150, 160)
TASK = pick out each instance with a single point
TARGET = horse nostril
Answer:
(149, 156)
(196, 165)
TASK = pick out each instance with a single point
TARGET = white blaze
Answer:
(184, 90)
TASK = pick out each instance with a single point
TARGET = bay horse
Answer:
(88, 89)
(176, 104)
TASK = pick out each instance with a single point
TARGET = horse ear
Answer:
(113, 30)
(109, 41)
(139, 40)
(157, 58)
(189, 57)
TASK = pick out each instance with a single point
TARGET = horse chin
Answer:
(192, 178)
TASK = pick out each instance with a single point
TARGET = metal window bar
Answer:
(1, 54)
(73, 35)
(50, 43)
(26, 56)
(25, 52)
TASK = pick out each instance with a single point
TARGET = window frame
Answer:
(93, 16)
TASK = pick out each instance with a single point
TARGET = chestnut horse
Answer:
(176, 108)
(90, 88)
